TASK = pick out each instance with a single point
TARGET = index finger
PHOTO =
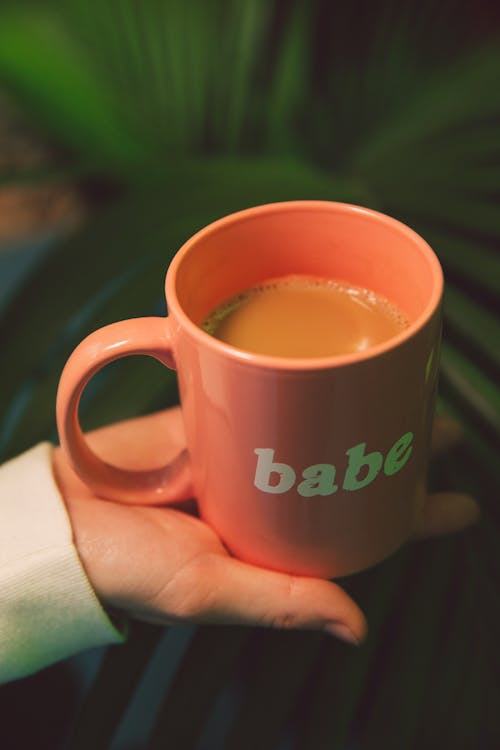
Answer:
(446, 432)
(226, 590)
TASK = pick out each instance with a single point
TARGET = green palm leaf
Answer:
(53, 77)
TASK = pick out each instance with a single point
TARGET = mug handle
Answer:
(150, 336)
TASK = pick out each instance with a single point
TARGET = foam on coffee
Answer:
(303, 316)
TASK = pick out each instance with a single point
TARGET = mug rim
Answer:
(304, 363)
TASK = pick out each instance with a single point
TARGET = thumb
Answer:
(229, 591)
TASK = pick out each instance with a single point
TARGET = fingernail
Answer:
(340, 630)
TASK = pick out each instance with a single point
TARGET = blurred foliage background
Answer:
(130, 125)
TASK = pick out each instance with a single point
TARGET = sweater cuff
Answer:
(48, 609)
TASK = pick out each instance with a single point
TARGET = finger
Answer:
(176, 474)
(140, 444)
(226, 590)
(143, 442)
(446, 513)
(446, 432)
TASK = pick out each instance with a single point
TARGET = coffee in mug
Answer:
(305, 316)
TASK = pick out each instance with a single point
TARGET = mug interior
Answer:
(315, 238)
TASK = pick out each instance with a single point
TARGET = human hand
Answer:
(164, 565)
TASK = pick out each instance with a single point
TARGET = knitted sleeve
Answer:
(48, 609)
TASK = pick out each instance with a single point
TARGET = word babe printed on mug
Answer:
(319, 479)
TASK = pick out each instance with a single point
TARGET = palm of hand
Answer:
(163, 565)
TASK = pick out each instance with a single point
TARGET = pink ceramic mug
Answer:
(310, 466)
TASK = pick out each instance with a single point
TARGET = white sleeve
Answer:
(48, 609)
